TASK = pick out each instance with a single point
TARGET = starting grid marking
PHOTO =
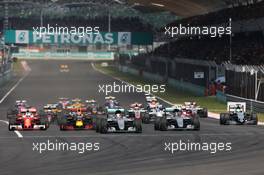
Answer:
(17, 132)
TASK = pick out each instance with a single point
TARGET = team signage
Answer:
(113, 38)
(198, 75)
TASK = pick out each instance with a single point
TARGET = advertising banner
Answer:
(112, 38)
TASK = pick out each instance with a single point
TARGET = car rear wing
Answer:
(53, 106)
(233, 106)
(90, 101)
(172, 109)
(110, 98)
(150, 98)
(21, 101)
(132, 110)
(76, 100)
(112, 111)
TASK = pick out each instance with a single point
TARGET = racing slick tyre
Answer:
(196, 123)
(157, 124)
(62, 123)
(44, 121)
(163, 124)
(98, 124)
(11, 113)
(94, 123)
(254, 119)
(103, 128)
(12, 121)
(138, 126)
(205, 113)
(222, 119)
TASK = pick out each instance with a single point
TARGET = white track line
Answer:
(17, 132)
(179, 134)
(210, 114)
(9, 92)
(27, 69)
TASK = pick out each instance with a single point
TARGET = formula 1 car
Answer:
(74, 107)
(150, 99)
(62, 103)
(202, 112)
(27, 118)
(69, 120)
(118, 121)
(136, 110)
(64, 68)
(51, 111)
(18, 105)
(21, 103)
(93, 107)
(177, 118)
(237, 115)
(153, 110)
(111, 102)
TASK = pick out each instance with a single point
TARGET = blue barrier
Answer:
(189, 87)
(220, 96)
(180, 85)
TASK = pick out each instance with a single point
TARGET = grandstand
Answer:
(160, 54)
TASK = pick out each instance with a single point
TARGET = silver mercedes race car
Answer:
(237, 115)
(118, 120)
(177, 118)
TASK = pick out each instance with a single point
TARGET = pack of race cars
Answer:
(77, 114)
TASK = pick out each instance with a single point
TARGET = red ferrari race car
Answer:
(27, 118)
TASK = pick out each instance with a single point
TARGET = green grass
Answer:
(171, 94)
(261, 117)
(17, 67)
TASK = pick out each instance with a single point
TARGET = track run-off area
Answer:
(122, 153)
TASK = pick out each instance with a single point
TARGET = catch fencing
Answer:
(245, 81)
(252, 105)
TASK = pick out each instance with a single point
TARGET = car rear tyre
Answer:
(223, 119)
(196, 123)
(163, 124)
(62, 128)
(98, 124)
(103, 129)
(12, 121)
(205, 113)
(157, 124)
(138, 126)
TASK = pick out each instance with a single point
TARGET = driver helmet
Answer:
(28, 114)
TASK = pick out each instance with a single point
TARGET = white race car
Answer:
(119, 121)
(177, 118)
(201, 112)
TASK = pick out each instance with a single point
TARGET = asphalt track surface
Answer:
(119, 153)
